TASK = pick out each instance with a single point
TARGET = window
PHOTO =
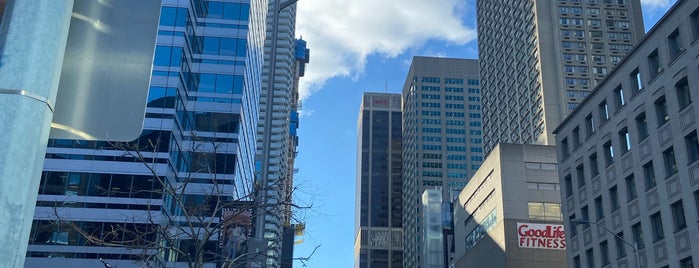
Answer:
(603, 111)
(669, 161)
(599, 70)
(692, 144)
(636, 80)
(594, 168)
(613, 198)
(585, 214)
(674, 44)
(649, 175)
(608, 153)
(545, 211)
(604, 252)
(637, 232)
(590, 258)
(642, 126)
(576, 262)
(694, 17)
(630, 188)
(565, 152)
(656, 222)
(653, 64)
(678, 219)
(619, 97)
(569, 185)
(577, 141)
(686, 263)
(620, 245)
(683, 96)
(599, 208)
(661, 113)
(589, 125)
(625, 140)
(580, 172)
(574, 227)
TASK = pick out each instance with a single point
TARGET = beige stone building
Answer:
(509, 215)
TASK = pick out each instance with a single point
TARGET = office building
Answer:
(442, 138)
(199, 139)
(379, 203)
(628, 155)
(539, 59)
(278, 100)
(509, 214)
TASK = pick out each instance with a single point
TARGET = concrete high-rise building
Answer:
(199, 133)
(509, 214)
(278, 120)
(539, 59)
(442, 138)
(629, 155)
(378, 209)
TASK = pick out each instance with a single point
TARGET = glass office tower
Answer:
(199, 133)
(379, 202)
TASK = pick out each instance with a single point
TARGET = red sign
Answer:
(380, 102)
(544, 236)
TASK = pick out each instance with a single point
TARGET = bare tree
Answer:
(204, 220)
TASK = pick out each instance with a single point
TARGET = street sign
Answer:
(106, 71)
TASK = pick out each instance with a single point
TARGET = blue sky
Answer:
(358, 46)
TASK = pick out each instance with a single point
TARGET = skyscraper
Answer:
(199, 138)
(278, 103)
(378, 208)
(539, 59)
(442, 139)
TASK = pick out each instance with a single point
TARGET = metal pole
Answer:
(634, 246)
(33, 37)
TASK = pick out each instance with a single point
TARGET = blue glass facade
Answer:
(200, 129)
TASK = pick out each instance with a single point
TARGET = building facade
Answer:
(278, 102)
(539, 59)
(509, 214)
(379, 203)
(442, 138)
(628, 155)
(198, 139)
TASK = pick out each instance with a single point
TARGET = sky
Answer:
(365, 46)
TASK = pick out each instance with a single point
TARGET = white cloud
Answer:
(341, 34)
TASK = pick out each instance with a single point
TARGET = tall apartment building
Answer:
(277, 100)
(629, 155)
(199, 133)
(378, 208)
(442, 138)
(539, 59)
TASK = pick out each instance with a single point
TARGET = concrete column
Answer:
(33, 37)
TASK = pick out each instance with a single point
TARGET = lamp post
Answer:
(634, 245)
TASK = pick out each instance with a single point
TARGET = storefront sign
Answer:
(544, 236)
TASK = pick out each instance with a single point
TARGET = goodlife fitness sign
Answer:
(544, 236)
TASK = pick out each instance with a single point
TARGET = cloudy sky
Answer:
(358, 46)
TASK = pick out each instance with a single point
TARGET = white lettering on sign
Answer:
(545, 236)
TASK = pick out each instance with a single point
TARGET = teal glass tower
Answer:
(199, 132)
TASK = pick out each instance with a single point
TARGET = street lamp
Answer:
(634, 245)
